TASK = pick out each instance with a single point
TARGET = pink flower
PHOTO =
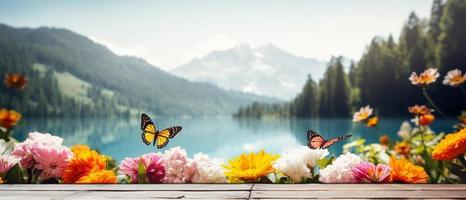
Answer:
(26, 149)
(367, 172)
(152, 162)
(178, 167)
(7, 162)
(51, 161)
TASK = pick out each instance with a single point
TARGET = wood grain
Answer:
(233, 191)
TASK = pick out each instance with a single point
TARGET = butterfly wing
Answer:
(314, 140)
(162, 136)
(149, 130)
(334, 140)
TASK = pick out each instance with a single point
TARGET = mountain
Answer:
(70, 75)
(265, 70)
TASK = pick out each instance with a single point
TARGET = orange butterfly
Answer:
(315, 141)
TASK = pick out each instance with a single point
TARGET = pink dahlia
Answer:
(51, 161)
(178, 167)
(367, 172)
(6, 163)
(152, 162)
(25, 150)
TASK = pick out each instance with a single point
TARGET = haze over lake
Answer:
(219, 137)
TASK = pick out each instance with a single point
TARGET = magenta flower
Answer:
(367, 172)
(152, 162)
(51, 161)
(6, 163)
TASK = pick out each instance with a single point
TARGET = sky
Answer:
(171, 33)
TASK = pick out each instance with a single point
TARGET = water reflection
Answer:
(219, 137)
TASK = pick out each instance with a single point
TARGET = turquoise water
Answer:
(218, 137)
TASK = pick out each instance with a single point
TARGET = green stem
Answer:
(462, 160)
(431, 102)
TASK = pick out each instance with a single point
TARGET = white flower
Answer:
(209, 170)
(405, 130)
(45, 139)
(362, 114)
(7, 162)
(340, 169)
(311, 156)
(297, 163)
(454, 78)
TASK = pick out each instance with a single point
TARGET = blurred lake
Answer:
(219, 137)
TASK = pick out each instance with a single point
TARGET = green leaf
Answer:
(141, 173)
(15, 175)
(325, 161)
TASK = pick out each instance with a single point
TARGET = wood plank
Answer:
(126, 187)
(19, 195)
(358, 187)
(358, 194)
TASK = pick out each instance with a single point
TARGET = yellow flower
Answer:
(452, 146)
(101, 177)
(362, 114)
(250, 167)
(404, 171)
(425, 78)
(454, 78)
(372, 122)
(79, 148)
(9, 118)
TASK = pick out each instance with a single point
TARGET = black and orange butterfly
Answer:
(315, 141)
(150, 134)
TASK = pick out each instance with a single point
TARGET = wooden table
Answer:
(232, 191)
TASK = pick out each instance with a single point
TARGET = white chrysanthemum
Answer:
(311, 156)
(454, 78)
(340, 169)
(293, 166)
(209, 170)
(405, 130)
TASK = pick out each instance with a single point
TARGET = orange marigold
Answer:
(78, 148)
(452, 146)
(402, 148)
(9, 118)
(82, 164)
(104, 176)
(404, 171)
(427, 119)
(419, 110)
(384, 140)
(18, 81)
(372, 122)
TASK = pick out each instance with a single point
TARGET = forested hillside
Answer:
(380, 77)
(70, 75)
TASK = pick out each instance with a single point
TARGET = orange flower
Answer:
(1, 180)
(78, 148)
(427, 119)
(18, 81)
(404, 171)
(104, 176)
(419, 110)
(372, 122)
(9, 118)
(82, 164)
(452, 146)
(402, 148)
(425, 78)
(384, 140)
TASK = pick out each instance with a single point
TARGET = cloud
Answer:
(139, 51)
(219, 42)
